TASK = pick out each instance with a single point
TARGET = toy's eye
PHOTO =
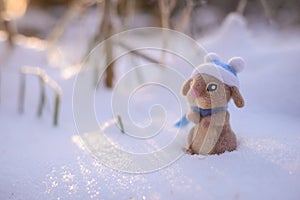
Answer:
(211, 87)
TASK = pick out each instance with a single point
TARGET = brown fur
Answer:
(211, 134)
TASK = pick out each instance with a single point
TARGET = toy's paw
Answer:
(193, 116)
(188, 151)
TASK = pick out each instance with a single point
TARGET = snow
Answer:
(39, 161)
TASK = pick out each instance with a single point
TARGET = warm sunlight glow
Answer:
(77, 140)
(14, 9)
(31, 42)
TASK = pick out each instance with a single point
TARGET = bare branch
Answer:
(127, 8)
(22, 93)
(42, 97)
(186, 15)
(166, 7)
(119, 121)
(11, 32)
(241, 7)
(56, 109)
(76, 7)
(138, 53)
(268, 11)
(107, 32)
(44, 80)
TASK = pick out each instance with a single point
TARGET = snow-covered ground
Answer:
(39, 161)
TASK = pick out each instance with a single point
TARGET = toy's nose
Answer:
(195, 92)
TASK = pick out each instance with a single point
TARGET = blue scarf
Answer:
(203, 112)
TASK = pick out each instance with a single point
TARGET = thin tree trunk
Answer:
(56, 109)
(241, 7)
(22, 93)
(107, 32)
(166, 7)
(42, 96)
(10, 32)
(186, 15)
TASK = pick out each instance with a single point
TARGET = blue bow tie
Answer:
(203, 112)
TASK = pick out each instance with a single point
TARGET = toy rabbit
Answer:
(208, 92)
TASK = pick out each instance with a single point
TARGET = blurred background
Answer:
(46, 23)
(194, 17)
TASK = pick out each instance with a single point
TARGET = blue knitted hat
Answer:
(226, 73)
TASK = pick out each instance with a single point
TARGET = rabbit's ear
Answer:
(237, 97)
(237, 64)
(186, 87)
(210, 57)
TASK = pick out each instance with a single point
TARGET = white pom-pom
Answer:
(237, 64)
(210, 57)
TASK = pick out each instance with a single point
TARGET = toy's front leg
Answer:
(188, 148)
(193, 116)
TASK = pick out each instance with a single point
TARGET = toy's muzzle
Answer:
(195, 92)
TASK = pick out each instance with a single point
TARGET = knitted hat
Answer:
(226, 73)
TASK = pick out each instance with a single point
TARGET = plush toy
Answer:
(208, 92)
